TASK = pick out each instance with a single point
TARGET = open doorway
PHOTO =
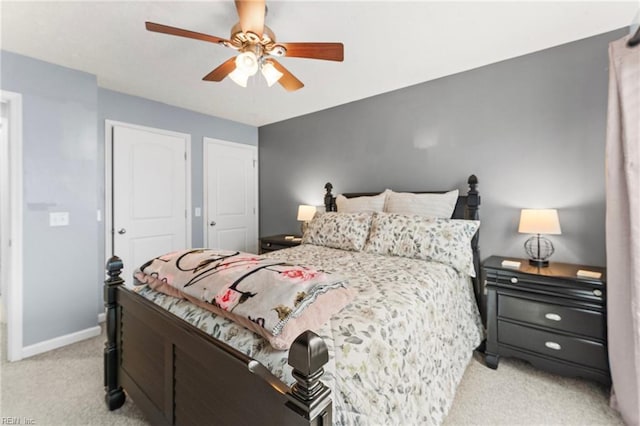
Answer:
(11, 222)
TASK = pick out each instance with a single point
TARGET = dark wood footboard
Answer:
(177, 374)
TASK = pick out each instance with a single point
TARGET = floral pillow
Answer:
(442, 240)
(345, 231)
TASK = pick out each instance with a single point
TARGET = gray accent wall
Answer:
(64, 112)
(531, 128)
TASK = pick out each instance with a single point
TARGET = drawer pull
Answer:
(553, 345)
(553, 317)
(514, 280)
(597, 293)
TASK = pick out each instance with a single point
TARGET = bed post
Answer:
(114, 395)
(473, 205)
(309, 397)
(329, 199)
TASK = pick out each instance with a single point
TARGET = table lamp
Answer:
(539, 221)
(305, 214)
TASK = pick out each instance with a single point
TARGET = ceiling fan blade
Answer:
(222, 71)
(288, 80)
(165, 29)
(251, 14)
(326, 51)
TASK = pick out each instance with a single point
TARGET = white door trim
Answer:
(206, 141)
(108, 178)
(14, 304)
(5, 212)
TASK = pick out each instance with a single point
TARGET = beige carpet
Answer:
(65, 387)
(518, 394)
(61, 387)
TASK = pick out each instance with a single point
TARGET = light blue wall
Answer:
(63, 130)
(135, 110)
(531, 128)
(60, 165)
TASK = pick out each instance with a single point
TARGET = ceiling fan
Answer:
(257, 47)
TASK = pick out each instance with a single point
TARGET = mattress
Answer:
(396, 353)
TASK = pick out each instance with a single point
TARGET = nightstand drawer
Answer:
(553, 286)
(573, 349)
(574, 320)
(267, 246)
(278, 242)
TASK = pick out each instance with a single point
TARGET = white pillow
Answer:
(426, 205)
(369, 204)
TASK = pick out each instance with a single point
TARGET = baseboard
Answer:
(61, 341)
(102, 317)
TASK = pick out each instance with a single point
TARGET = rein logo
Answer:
(16, 421)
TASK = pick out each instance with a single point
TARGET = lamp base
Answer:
(539, 263)
(539, 250)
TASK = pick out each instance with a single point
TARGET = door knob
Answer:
(212, 223)
(122, 231)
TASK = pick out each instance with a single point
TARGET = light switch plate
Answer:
(198, 212)
(58, 218)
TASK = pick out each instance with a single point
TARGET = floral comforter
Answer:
(396, 353)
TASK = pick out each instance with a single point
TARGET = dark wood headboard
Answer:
(467, 208)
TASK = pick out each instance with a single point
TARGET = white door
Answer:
(231, 195)
(150, 190)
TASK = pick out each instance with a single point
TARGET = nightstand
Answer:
(278, 242)
(549, 316)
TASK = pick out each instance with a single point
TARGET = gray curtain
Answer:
(623, 228)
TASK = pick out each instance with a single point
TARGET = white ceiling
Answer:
(388, 45)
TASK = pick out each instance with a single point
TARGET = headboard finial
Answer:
(329, 199)
(473, 198)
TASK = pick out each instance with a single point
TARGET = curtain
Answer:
(623, 228)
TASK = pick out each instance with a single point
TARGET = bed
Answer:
(183, 365)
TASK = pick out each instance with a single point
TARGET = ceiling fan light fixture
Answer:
(255, 42)
(247, 62)
(278, 50)
(239, 77)
(270, 73)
